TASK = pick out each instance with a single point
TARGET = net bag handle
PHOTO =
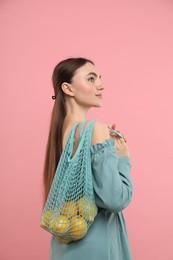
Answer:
(82, 137)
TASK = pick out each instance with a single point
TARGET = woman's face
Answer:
(87, 85)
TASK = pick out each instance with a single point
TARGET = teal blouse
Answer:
(107, 237)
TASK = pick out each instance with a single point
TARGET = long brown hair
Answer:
(63, 72)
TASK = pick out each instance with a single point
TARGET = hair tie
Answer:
(53, 97)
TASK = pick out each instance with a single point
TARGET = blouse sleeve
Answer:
(112, 184)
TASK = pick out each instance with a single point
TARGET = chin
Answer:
(97, 105)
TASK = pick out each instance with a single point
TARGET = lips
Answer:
(100, 96)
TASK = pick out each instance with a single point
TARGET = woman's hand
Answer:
(120, 143)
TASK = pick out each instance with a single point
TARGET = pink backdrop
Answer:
(131, 43)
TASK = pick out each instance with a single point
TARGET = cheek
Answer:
(86, 90)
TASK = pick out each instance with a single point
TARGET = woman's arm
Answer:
(112, 183)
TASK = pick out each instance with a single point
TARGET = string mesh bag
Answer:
(70, 207)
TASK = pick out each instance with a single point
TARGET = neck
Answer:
(76, 112)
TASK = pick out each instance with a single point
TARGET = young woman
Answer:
(77, 88)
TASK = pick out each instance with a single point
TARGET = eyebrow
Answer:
(94, 74)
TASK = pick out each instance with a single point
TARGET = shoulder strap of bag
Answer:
(87, 131)
(81, 129)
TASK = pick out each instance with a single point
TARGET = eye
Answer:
(91, 79)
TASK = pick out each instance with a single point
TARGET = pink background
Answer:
(131, 43)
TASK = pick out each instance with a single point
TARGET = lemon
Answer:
(61, 225)
(78, 227)
(69, 209)
(47, 217)
(87, 208)
(64, 239)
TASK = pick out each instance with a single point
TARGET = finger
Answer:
(118, 141)
(122, 135)
(113, 134)
(114, 126)
(122, 139)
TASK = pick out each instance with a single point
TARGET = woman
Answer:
(78, 87)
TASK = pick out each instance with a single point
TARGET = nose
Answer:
(100, 86)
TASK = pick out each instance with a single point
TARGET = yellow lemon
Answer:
(78, 227)
(69, 209)
(64, 239)
(47, 217)
(61, 225)
(87, 208)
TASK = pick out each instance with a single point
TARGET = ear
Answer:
(67, 89)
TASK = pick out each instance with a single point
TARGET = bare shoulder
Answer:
(100, 132)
